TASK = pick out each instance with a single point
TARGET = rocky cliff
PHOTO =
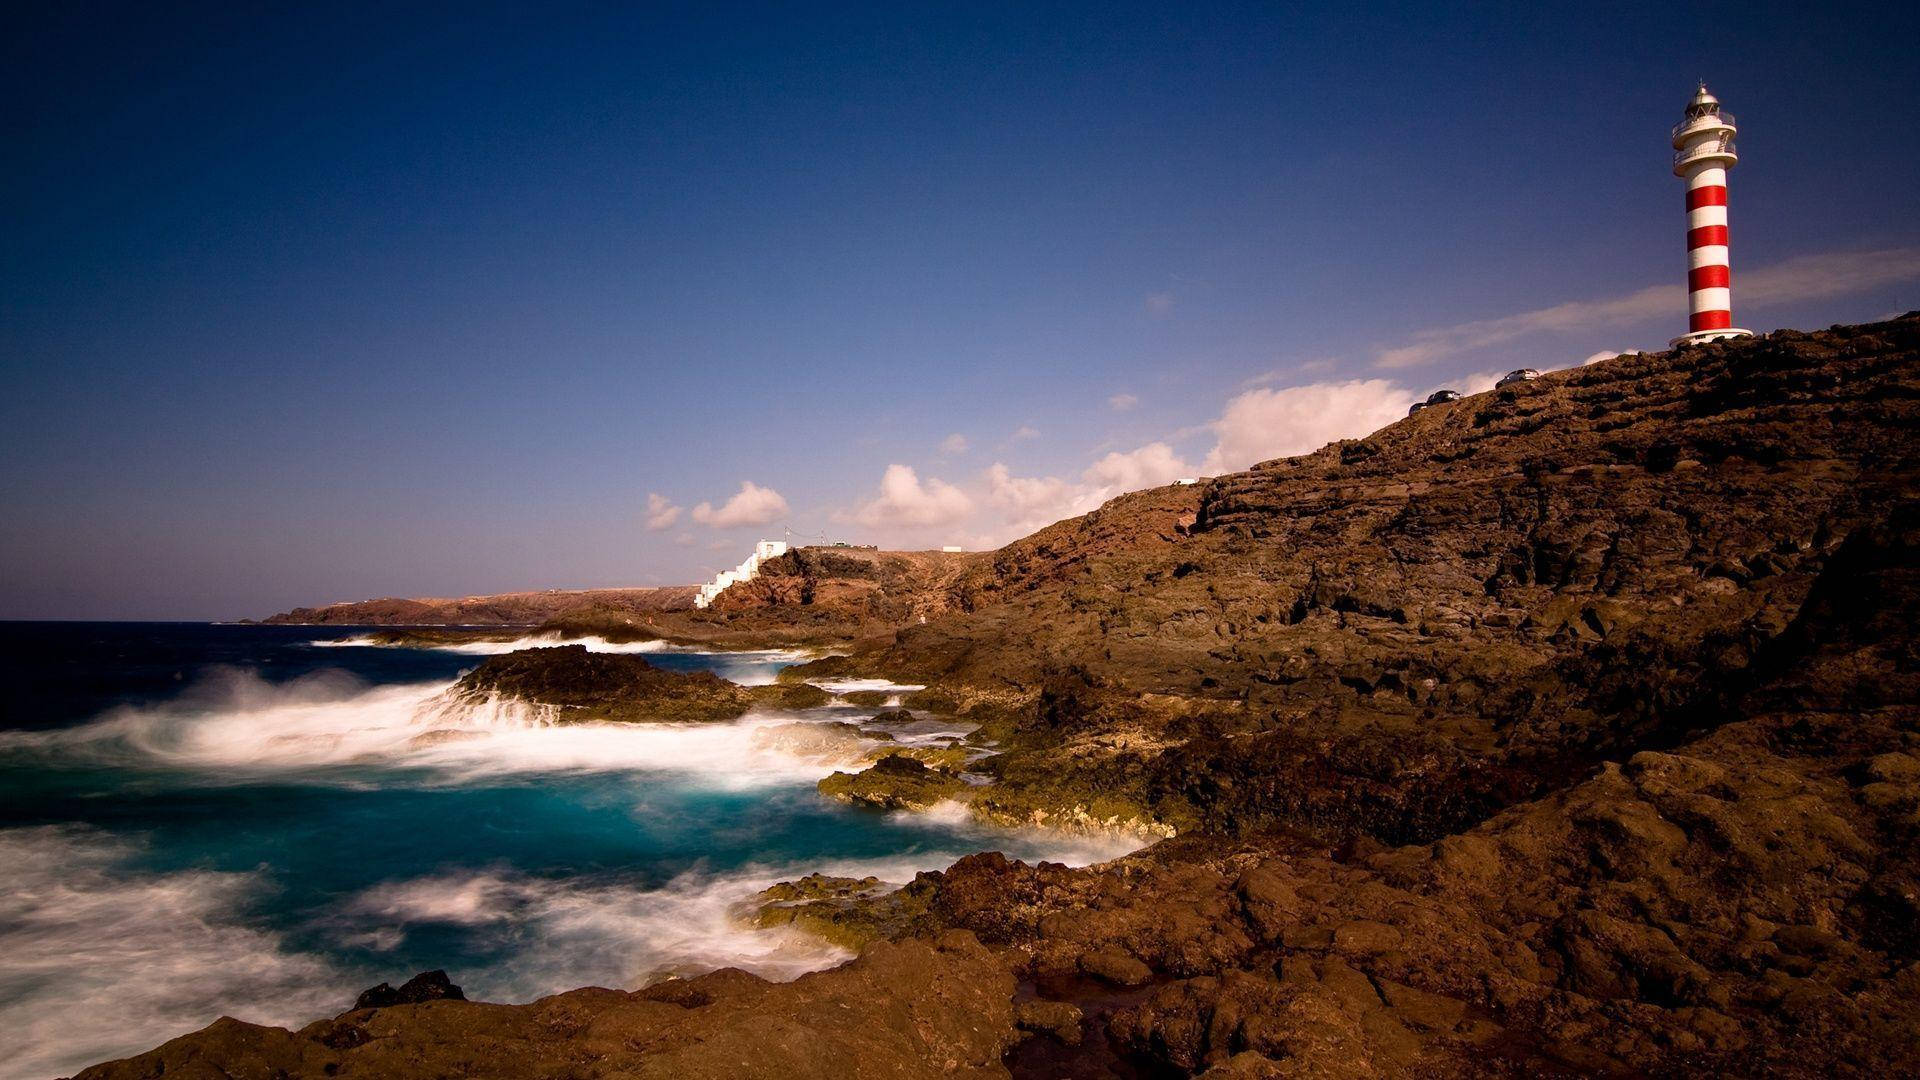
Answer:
(1569, 729)
(861, 588)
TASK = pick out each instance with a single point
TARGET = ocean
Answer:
(261, 821)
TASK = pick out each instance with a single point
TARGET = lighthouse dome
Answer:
(1703, 97)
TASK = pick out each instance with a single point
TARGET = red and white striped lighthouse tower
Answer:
(1702, 153)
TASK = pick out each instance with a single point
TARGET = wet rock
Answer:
(830, 743)
(426, 986)
(1116, 967)
(575, 685)
(895, 782)
(948, 759)
(790, 695)
(849, 912)
(1059, 1019)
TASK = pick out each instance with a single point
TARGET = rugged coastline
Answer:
(1565, 729)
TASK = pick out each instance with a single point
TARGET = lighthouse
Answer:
(1702, 154)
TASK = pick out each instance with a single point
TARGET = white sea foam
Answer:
(560, 934)
(573, 933)
(593, 643)
(236, 726)
(848, 686)
(98, 963)
(749, 667)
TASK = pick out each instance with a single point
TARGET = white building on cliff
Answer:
(746, 571)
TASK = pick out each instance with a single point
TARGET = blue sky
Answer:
(300, 307)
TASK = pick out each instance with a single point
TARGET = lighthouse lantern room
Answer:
(1702, 153)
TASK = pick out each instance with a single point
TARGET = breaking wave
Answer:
(234, 725)
(97, 962)
(571, 933)
(748, 667)
(496, 647)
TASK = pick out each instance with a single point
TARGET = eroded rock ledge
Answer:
(569, 684)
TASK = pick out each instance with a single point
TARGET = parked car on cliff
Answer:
(1518, 375)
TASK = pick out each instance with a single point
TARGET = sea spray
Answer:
(493, 647)
(99, 961)
(237, 726)
(748, 667)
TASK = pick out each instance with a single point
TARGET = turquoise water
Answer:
(262, 821)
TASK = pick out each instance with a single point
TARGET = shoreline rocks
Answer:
(896, 781)
(582, 686)
(426, 986)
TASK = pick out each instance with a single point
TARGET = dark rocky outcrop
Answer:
(426, 986)
(1492, 598)
(897, 781)
(576, 685)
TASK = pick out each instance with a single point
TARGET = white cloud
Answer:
(954, 445)
(907, 501)
(684, 539)
(1809, 277)
(661, 512)
(751, 505)
(1262, 424)
(1429, 345)
(1025, 432)
(1603, 354)
(1027, 503)
(1159, 303)
(1122, 402)
(1837, 273)
(1149, 466)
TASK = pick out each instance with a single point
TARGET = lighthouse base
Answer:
(1701, 337)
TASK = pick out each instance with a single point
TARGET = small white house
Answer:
(746, 571)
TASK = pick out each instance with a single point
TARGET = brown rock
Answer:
(1116, 967)
(1363, 936)
(1057, 1018)
(578, 685)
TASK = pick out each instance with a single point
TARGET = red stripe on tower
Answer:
(1707, 236)
(1708, 277)
(1716, 195)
